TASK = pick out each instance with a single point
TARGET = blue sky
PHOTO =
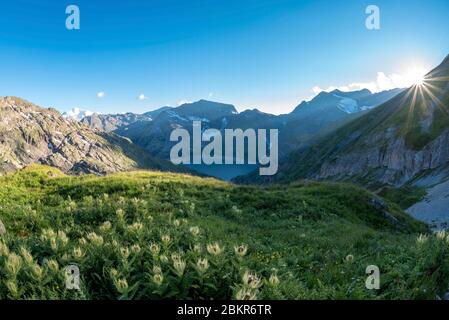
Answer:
(268, 54)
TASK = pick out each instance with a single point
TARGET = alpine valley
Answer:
(97, 191)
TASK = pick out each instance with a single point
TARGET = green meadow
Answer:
(152, 235)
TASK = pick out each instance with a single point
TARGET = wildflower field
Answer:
(149, 235)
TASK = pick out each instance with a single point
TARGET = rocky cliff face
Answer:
(391, 162)
(30, 134)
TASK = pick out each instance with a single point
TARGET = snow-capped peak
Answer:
(77, 114)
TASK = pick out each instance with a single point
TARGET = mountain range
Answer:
(31, 134)
(324, 113)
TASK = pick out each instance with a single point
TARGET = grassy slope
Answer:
(302, 233)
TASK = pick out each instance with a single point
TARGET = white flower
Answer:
(121, 285)
(274, 280)
(246, 294)
(53, 265)
(251, 280)
(166, 239)
(179, 266)
(240, 250)
(26, 255)
(13, 264)
(154, 248)
(422, 238)
(106, 226)
(202, 265)
(441, 235)
(95, 239)
(157, 269)
(135, 248)
(195, 231)
(77, 252)
(158, 278)
(214, 248)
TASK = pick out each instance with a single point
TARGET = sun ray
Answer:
(411, 111)
(436, 101)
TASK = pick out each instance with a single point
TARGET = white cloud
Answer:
(381, 83)
(142, 97)
(101, 95)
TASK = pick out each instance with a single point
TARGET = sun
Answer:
(415, 76)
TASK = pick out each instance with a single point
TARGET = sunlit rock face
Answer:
(30, 134)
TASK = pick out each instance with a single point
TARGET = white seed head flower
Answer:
(240, 250)
(202, 265)
(163, 258)
(157, 269)
(62, 237)
(166, 239)
(37, 271)
(13, 264)
(195, 231)
(422, 239)
(120, 214)
(72, 205)
(121, 285)
(53, 244)
(82, 241)
(48, 234)
(273, 280)
(113, 273)
(176, 223)
(106, 226)
(78, 252)
(12, 288)
(214, 248)
(251, 280)
(52, 265)
(441, 235)
(180, 266)
(135, 227)
(26, 255)
(124, 252)
(176, 256)
(197, 248)
(154, 248)
(246, 294)
(349, 258)
(4, 250)
(95, 239)
(135, 248)
(158, 278)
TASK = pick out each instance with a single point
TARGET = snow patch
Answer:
(347, 105)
